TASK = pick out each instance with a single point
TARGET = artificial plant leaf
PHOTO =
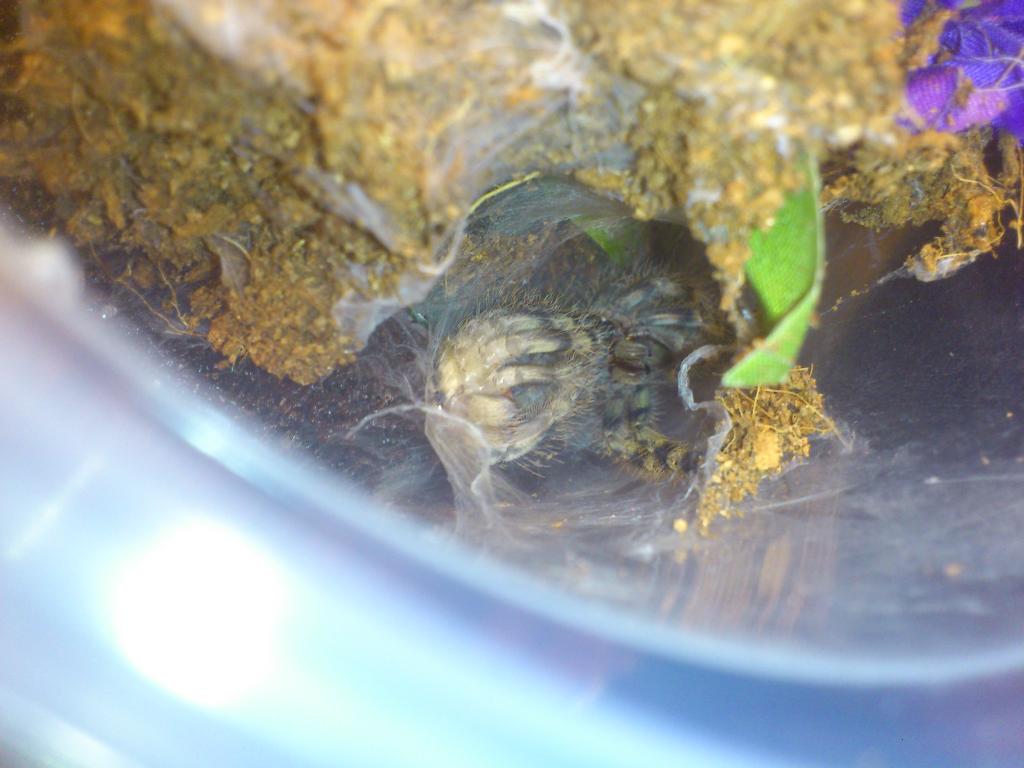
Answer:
(785, 270)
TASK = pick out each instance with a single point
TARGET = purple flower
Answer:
(977, 77)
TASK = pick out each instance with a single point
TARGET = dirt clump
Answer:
(771, 428)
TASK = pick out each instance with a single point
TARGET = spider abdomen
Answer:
(520, 376)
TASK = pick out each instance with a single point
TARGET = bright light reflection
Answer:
(199, 613)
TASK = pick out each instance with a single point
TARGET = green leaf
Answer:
(617, 236)
(785, 270)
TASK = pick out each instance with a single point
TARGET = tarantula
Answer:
(536, 377)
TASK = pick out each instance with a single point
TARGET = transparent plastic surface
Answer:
(883, 548)
(172, 593)
(364, 628)
(166, 573)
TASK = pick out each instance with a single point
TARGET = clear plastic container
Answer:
(175, 591)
